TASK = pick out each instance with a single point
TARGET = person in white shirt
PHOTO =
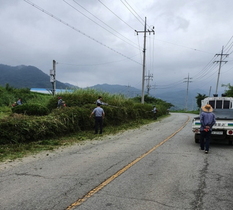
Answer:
(99, 101)
(154, 110)
(99, 114)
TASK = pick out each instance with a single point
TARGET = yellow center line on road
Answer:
(121, 171)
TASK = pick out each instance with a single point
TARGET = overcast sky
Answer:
(94, 41)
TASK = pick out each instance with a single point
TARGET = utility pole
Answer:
(128, 93)
(53, 78)
(210, 91)
(148, 78)
(153, 87)
(144, 57)
(188, 81)
(220, 65)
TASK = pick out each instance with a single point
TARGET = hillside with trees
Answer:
(26, 77)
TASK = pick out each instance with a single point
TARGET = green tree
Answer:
(9, 88)
(200, 97)
(228, 92)
(162, 106)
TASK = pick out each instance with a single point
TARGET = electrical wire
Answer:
(77, 30)
(223, 72)
(170, 85)
(140, 48)
(205, 71)
(116, 15)
(128, 40)
(205, 75)
(133, 13)
(226, 46)
(130, 8)
(96, 64)
(184, 46)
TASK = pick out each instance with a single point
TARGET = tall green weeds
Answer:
(72, 118)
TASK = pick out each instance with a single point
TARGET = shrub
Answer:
(73, 117)
(31, 109)
(27, 129)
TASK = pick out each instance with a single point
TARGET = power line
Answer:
(168, 86)
(199, 76)
(133, 44)
(228, 43)
(227, 70)
(119, 19)
(205, 71)
(184, 46)
(77, 30)
(134, 11)
(141, 21)
(116, 15)
(96, 64)
(229, 48)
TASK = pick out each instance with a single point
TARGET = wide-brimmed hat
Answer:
(207, 108)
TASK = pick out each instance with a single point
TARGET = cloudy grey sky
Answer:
(94, 41)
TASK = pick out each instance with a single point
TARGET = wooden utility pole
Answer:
(148, 78)
(210, 91)
(144, 57)
(187, 91)
(53, 78)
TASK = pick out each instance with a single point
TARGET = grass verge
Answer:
(14, 151)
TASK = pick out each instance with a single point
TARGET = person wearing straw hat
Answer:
(207, 119)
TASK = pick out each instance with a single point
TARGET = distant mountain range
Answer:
(176, 97)
(32, 77)
(26, 77)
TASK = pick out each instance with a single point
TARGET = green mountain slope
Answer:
(26, 77)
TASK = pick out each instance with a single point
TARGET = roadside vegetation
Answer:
(39, 125)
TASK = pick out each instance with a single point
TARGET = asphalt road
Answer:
(155, 167)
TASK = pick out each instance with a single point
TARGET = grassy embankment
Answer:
(11, 151)
(20, 150)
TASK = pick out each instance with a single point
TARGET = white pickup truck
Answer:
(223, 110)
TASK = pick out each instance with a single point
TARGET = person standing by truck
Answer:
(207, 120)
